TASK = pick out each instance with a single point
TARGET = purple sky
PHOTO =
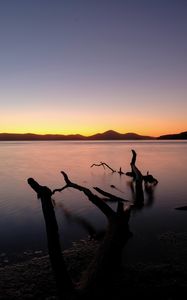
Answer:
(87, 66)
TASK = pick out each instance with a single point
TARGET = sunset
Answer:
(90, 66)
(93, 144)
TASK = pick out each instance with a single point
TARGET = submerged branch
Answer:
(109, 195)
(138, 177)
(120, 171)
(181, 207)
(108, 212)
(108, 256)
(103, 164)
(59, 190)
(150, 179)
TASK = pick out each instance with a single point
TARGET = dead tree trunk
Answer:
(104, 268)
(108, 256)
(138, 177)
(63, 281)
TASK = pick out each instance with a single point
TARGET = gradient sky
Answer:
(86, 66)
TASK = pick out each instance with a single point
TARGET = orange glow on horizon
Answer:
(91, 131)
(89, 122)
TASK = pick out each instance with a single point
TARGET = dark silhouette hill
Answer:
(108, 135)
(113, 135)
(177, 136)
(38, 137)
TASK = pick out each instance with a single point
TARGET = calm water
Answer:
(21, 221)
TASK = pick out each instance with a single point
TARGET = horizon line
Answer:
(86, 136)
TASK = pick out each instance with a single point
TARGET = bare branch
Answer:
(133, 161)
(181, 208)
(137, 174)
(108, 212)
(109, 195)
(138, 180)
(59, 190)
(150, 179)
(103, 164)
(120, 171)
(130, 174)
(98, 165)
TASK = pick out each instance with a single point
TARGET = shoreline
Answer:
(29, 279)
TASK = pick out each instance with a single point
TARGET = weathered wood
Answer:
(103, 164)
(120, 171)
(101, 272)
(107, 211)
(138, 177)
(108, 256)
(150, 179)
(181, 208)
(109, 195)
(138, 180)
(63, 281)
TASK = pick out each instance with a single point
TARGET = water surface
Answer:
(21, 221)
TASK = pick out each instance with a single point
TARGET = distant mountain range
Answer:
(178, 136)
(113, 135)
(108, 135)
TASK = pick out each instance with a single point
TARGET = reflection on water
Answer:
(21, 221)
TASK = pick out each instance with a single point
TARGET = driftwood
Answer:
(110, 196)
(108, 212)
(150, 179)
(138, 179)
(107, 259)
(181, 207)
(63, 281)
(109, 252)
(103, 164)
(135, 172)
(117, 233)
(120, 171)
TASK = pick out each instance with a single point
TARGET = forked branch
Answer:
(103, 164)
(108, 212)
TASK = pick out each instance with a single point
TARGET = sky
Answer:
(87, 66)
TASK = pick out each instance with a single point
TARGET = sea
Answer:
(22, 227)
